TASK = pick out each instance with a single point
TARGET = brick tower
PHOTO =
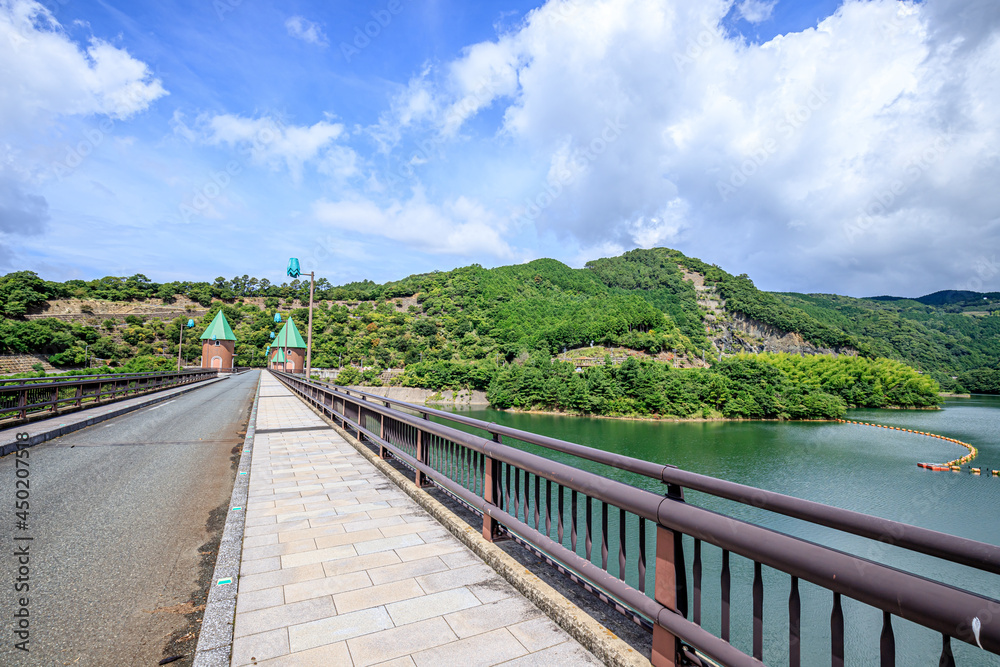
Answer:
(218, 344)
(288, 350)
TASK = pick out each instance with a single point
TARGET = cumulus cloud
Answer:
(756, 11)
(306, 30)
(47, 74)
(868, 141)
(458, 227)
(271, 142)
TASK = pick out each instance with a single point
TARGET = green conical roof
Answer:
(219, 328)
(278, 357)
(289, 336)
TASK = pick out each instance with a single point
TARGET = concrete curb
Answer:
(39, 438)
(215, 639)
(604, 644)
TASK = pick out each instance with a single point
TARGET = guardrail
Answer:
(564, 512)
(56, 378)
(30, 399)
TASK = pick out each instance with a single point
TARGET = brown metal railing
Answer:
(31, 399)
(583, 522)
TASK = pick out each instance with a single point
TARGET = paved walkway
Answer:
(340, 567)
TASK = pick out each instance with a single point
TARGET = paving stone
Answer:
(278, 549)
(428, 550)
(330, 655)
(377, 595)
(254, 648)
(317, 556)
(403, 528)
(254, 600)
(464, 576)
(484, 618)
(327, 586)
(387, 543)
(281, 577)
(567, 653)
(414, 568)
(338, 628)
(308, 533)
(341, 538)
(397, 642)
(248, 567)
(538, 633)
(368, 561)
(493, 590)
(428, 606)
(405, 661)
(271, 618)
(481, 650)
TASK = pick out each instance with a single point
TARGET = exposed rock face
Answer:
(740, 333)
(733, 332)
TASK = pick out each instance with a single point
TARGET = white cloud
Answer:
(756, 11)
(271, 142)
(764, 156)
(306, 30)
(458, 227)
(46, 74)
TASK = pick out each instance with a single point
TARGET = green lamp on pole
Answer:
(180, 343)
(294, 272)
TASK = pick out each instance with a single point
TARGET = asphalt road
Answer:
(120, 513)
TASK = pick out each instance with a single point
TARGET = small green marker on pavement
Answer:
(223, 582)
(237, 508)
(242, 473)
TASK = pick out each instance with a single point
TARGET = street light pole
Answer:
(180, 343)
(295, 272)
(309, 334)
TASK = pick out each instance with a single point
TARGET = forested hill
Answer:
(656, 302)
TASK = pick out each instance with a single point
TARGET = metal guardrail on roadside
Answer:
(29, 398)
(567, 514)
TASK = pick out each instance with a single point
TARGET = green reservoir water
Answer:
(854, 467)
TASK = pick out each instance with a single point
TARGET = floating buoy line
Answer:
(955, 465)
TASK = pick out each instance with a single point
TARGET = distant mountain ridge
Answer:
(945, 297)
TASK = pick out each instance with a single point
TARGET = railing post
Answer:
(22, 403)
(419, 478)
(382, 451)
(491, 473)
(55, 399)
(79, 394)
(665, 592)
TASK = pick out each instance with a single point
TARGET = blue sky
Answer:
(836, 147)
